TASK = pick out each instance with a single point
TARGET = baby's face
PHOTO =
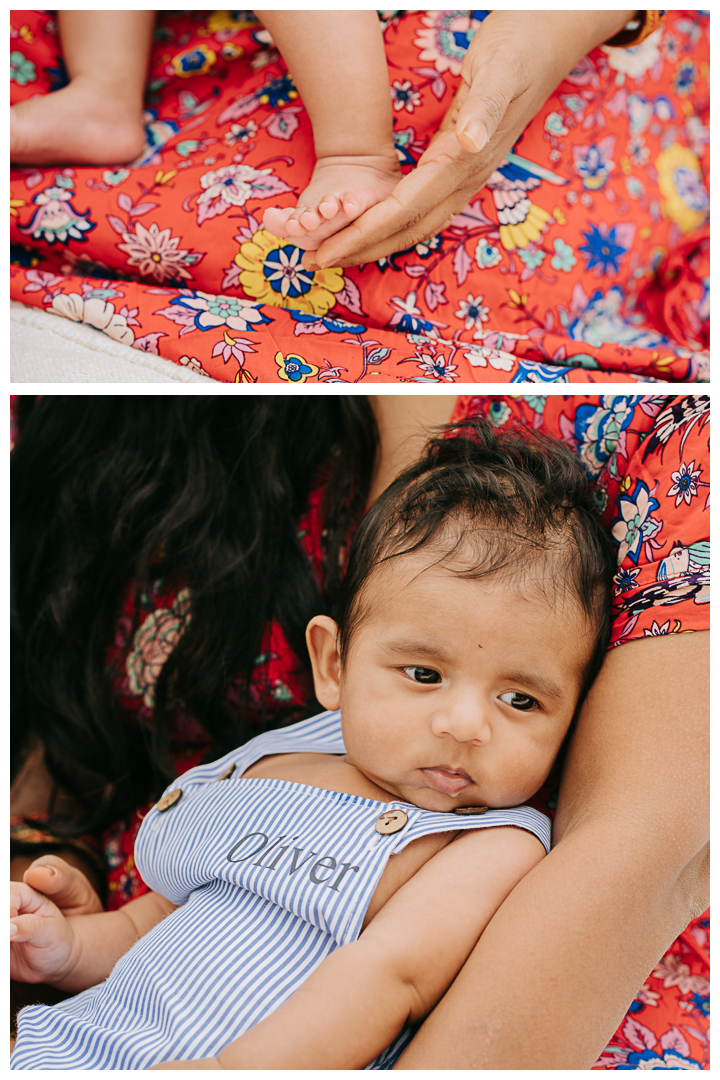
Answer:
(457, 692)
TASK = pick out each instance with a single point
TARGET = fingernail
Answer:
(13, 929)
(474, 136)
(46, 866)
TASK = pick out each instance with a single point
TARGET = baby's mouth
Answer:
(449, 781)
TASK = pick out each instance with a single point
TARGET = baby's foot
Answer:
(341, 189)
(85, 123)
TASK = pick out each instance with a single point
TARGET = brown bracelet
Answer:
(636, 30)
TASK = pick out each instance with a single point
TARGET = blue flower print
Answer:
(22, 70)
(624, 580)
(564, 258)
(529, 371)
(634, 522)
(593, 163)
(701, 1002)
(597, 429)
(602, 249)
(532, 259)
(283, 267)
(278, 92)
(648, 1059)
(685, 78)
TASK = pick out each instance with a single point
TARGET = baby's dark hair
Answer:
(497, 502)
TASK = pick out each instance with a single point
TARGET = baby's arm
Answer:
(359, 999)
(79, 951)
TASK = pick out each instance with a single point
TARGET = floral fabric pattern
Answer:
(585, 258)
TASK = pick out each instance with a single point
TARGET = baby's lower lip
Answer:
(449, 781)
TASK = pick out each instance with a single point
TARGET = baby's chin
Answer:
(463, 804)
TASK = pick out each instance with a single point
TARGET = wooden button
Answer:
(169, 800)
(390, 822)
(469, 810)
(228, 772)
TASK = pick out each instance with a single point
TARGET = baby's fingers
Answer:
(24, 899)
(30, 928)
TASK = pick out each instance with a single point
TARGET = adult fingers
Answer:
(64, 884)
(494, 74)
(433, 193)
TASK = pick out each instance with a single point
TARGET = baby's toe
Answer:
(311, 219)
(276, 220)
(353, 204)
(296, 226)
(329, 207)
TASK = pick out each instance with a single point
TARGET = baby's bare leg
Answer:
(337, 60)
(97, 118)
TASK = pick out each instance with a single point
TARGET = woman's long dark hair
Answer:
(205, 491)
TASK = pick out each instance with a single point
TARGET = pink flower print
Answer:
(155, 251)
(436, 367)
(674, 973)
(685, 483)
(647, 996)
(404, 96)
(481, 356)
(445, 39)
(656, 630)
(473, 312)
(153, 643)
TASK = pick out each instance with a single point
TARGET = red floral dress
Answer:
(649, 458)
(585, 258)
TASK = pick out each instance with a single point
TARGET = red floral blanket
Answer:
(602, 277)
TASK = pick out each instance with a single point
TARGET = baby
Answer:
(317, 890)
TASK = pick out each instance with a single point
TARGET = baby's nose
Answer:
(465, 720)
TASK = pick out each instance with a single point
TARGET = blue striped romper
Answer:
(270, 877)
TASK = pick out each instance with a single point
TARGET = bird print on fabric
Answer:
(520, 219)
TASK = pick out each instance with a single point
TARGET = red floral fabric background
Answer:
(584, 259)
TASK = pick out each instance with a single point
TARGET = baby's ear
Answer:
(321, 637)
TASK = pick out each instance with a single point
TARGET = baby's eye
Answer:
(422, 674)
(522, 702)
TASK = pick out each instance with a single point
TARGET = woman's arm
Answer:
(566, 953)
(360, 998)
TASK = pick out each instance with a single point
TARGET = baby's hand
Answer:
(43, 946)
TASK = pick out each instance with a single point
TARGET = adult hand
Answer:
(66, 885)
(514, 62)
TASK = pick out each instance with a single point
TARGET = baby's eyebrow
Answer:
(533, 680)
(422, 650)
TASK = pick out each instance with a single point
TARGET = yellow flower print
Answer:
(531, 228)
(294, 368)
(195, 61)
(219, 21)
(243, 376)
(516, 300)
(15, 204)
(273, 273)
(681, 182)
